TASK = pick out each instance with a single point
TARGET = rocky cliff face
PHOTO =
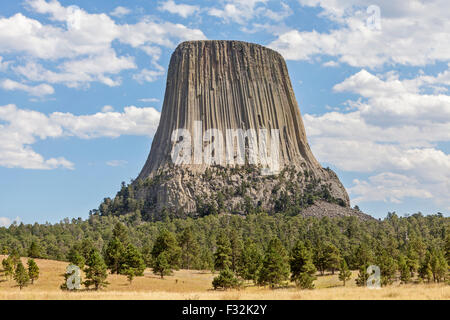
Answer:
(231, 138)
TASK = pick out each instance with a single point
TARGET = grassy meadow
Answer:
(196, 285)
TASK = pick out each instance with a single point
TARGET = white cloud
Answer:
(133, 121)
(38, 91)
(116, 163)
(183, 10)
(423, 26)
(80, 43)
(391, 131)
(330, 63)
(120, 12)
(74, 73)
(149, 100)
(20, 128)
(244, 11)
(146, 75)
(388, 187)
(107, 109)
(6, 222)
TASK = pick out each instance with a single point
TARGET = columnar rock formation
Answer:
(228, 85)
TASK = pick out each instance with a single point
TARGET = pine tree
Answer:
(86, 247)
(75, 256)
(33, 270)
(34, 251)
(326, 257)
(447, 248)
(21, 276)
(363, 276)
(344, 273)
(405, 271)
(165, 254)
(275, 267)
(130, 273)
(302, 267)
(333, 257)
(320, 258)
(114, 253)
(121, 233)
(190, 248)
(8, 267)
(161, 265)
(225, 280)
(222, 256)
(438, 265)
(15, 257)
(363, 256)
(412, 260)
(425, 272)
(133, 260)
(388, 267)
(95, 271)
(249, 261)
(236, 249)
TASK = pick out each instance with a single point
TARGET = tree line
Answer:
(267, 250)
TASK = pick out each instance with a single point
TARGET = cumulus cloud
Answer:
(392, 133)
(388, 187)
(413, 33)
(146, 75)
(80, 43)
(183, 10)
(38, 91)
(107, 109)
(245, 11)
(120, 12)
(19, 129)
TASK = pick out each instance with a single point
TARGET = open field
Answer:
(195, 285)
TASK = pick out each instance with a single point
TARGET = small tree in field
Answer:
(344, 273)
(249, 262)
(302, 266)
(8, 267)
(133, 263)
(133, 260)
(161, 265)
(363, 276)
(130, 273)
(96, 273)
(21, 276)
(33, 270)
(226, 280)
(114, 255)
(275, 267)
(165, 254)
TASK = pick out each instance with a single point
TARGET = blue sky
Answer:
(82, 84)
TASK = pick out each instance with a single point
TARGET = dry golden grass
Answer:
(196, 285)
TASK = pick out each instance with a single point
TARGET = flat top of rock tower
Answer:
(230, 43)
